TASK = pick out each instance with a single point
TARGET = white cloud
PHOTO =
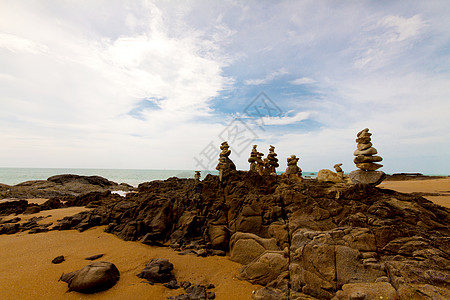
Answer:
(17, 44)
(302, 80)
(389, 37)
(268, 78)
(286, 120)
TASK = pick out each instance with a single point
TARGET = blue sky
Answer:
(160, 84)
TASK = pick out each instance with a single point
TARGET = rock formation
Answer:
(337, 168)
(366, 161)
(225, 163)
(272, 161)
(292, 168)
(303, 240)
(61, 185)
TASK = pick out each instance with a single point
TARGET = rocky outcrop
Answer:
(61, 185)
(311, 240)
(93, 278)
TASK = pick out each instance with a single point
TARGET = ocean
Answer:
(12, 176)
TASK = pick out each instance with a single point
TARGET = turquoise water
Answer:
(12, 176)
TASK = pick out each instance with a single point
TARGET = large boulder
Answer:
(326, 175)
(95, 277)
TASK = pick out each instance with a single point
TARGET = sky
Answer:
(160, 84)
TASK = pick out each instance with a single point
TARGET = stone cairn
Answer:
(225, 163)
(339, 171)
(366, 161)
(253, 159)
(292, 168)
(272, 161)
(197, 175)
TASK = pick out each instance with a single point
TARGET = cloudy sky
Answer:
(160, 84)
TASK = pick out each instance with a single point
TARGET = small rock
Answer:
(185, 284)
(201, 253)
(218, 252)
(172, 285)
(58, 259)
(211, 295)
(94, 257)
(38, 230)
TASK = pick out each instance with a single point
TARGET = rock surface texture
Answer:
(366, 161)
(95, 277)
(300, 240)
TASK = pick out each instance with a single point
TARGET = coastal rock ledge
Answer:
(300, 240)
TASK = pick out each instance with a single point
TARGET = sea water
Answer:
(12, 176)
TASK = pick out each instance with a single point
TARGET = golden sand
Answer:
(26, 271)
(441, 186)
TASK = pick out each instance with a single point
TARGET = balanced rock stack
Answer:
(292, 168)
(366, 161)
(272, 161)
(225, 163)
(253, 159)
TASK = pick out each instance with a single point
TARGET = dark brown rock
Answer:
(93, 278)
(58, 259)
(158, 270)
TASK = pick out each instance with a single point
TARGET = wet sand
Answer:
(432, 186)
(26, 271)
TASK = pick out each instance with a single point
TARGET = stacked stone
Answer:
(366, 161)
(272, 161)
(292, 168)
(253, 159)
(197, 175)
(225, 163)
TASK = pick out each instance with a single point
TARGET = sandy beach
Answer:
(26, 271)
(429, 188)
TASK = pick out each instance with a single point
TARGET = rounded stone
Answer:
(369, 151)
(367, 159)
(367, 177)
(369, 166)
